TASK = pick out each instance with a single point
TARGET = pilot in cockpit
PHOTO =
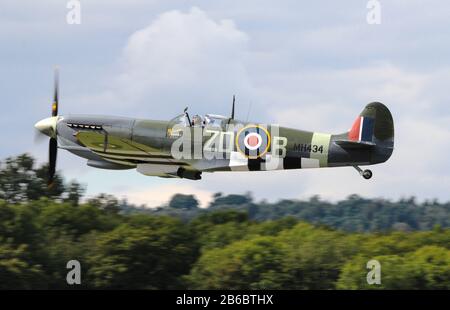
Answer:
(197, 121)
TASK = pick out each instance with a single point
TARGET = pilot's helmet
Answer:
(197, 120)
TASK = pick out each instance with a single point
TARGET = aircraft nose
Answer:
(47, 126)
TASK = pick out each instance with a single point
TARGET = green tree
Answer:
(395, 274)
(232, 199)
(431, 267)
(219, 228)
(180, 201)
(146, 253)
(314, 256)
(105, 202)
(65, 218)
(74, 192)
(16, 272)
(246, 264)
(20, 181)
(425, 268)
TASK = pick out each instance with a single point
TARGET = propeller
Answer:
(55, 96)
(53, 143)
(52, 152)
(47, 127)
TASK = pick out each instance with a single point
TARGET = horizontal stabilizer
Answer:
(354, 144)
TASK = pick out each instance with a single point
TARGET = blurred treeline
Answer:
(235, 243)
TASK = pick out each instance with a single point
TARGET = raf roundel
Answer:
(253, 141)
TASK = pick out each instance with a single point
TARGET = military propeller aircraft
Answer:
(185, 148)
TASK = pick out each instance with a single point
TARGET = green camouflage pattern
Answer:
(229, 145)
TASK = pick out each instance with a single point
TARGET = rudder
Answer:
(374, 124)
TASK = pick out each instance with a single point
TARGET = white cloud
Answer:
(331, 99)
(189, 54)
(179, 59)
(330, 103)
(315, 72)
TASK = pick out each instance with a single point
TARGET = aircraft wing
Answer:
(125, 151)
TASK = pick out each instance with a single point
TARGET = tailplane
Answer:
(374, 124)
(372, 130)
(369, 141)
(373, 127)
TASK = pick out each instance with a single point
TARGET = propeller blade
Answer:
(52, 152)
(56, 95)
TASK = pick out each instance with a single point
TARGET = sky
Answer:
(310, 65)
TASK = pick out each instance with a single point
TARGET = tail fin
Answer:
(372, 135)
(370, 140)
(373, 126)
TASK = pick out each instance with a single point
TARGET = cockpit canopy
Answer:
(209, 120)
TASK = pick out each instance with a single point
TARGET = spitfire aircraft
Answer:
(185, 147)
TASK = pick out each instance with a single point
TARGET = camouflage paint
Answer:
(127, 142)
